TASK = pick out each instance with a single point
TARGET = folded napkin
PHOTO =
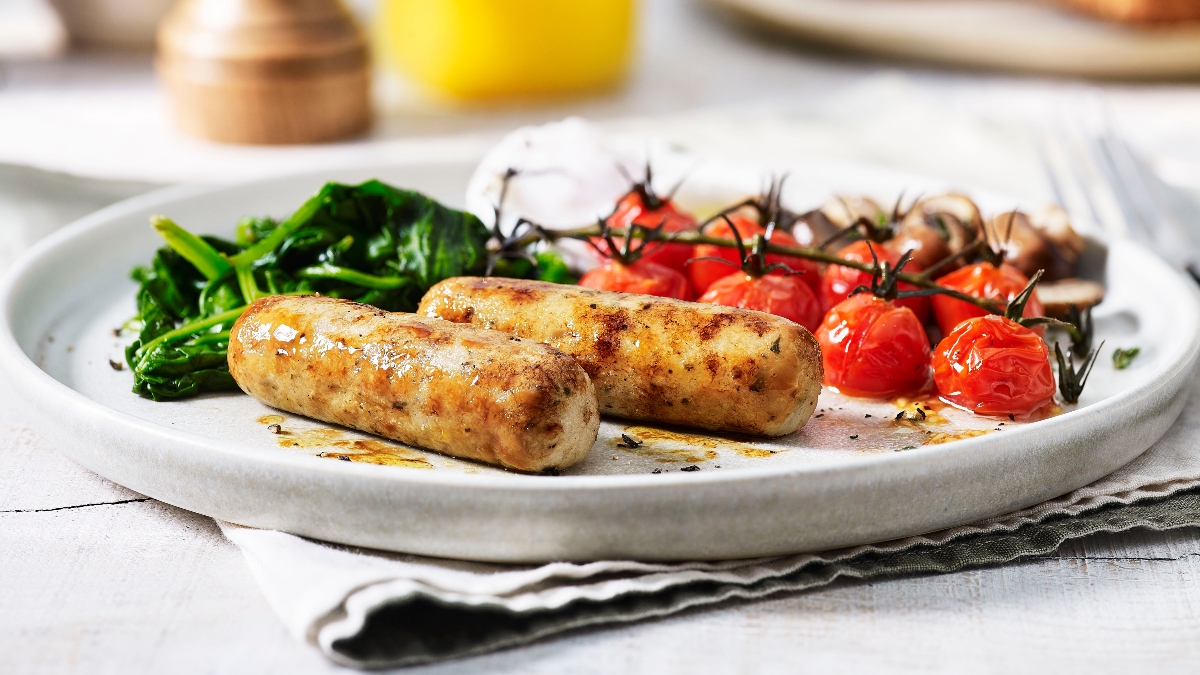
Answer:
(372, 609)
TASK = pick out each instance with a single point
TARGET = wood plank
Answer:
(144, 587)
(134, 588)
(33, 475)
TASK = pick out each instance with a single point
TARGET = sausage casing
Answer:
(466, 392)
(651, 358)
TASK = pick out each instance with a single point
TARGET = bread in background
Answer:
(1138, 11)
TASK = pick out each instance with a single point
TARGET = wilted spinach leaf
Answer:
(372, 243)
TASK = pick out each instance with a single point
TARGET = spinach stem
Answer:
(190, 328)
(246, 283)
(280, 233)
(193, 249)
(210, 338)
(327, 271)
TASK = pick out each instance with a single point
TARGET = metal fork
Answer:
(1104, 183)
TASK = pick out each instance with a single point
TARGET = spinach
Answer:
(372, 243)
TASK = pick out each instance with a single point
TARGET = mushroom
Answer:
(1041, 241)
(935, 228)
(1054, 224)
(835, 215)
(1058, 296)
(843, 211)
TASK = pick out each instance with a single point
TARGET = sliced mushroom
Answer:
(835, 215)
(1058, 296)
(961, 207)
(1054, 224)
(927, 244)
(1045, 241)
(842, 211)
(937, 227)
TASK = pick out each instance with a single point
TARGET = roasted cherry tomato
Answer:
(643, 276)
(784, 296)
(838, 282)
(874, 347)
(704, 273)
(982, 280)
(632, 209)
(993, 366)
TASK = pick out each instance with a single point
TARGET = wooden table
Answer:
(97, 579)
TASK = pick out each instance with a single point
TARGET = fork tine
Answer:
(1060, 163)
(1139, 216)
(1097, 184)
(1098, 177)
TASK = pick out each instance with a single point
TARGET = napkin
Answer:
(373, 609)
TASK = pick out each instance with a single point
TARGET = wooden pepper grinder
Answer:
(265, 71)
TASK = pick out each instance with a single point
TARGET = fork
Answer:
(1102, 181)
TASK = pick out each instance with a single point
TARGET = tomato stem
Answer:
(1071, 380)
(807, 252)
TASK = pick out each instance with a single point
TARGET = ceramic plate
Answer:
(1009, 34)
(853, 475)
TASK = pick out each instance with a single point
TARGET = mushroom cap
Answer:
(1045, 241)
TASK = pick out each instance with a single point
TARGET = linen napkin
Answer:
(372, 609)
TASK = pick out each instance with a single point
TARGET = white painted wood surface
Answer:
(127, 586)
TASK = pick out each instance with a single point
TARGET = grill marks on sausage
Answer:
(708, 330)
(398, 358)
(608, 333)
(713, 363)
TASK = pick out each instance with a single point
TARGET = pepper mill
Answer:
(265, 71)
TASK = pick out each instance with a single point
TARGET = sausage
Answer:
(455, 389)
(652, 358)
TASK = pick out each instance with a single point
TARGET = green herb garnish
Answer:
(1122, 358)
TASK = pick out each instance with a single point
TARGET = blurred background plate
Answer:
(1005, 34)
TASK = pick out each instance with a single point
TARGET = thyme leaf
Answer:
(1122, 358)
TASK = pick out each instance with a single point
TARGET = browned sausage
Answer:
(466, 392)
(652, 358)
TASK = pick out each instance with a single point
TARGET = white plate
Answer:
(817, 489)
(1009, 34)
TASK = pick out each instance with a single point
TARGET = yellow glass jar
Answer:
(480, 49)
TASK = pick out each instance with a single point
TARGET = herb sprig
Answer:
(1123, 358)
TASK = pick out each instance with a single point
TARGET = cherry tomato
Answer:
(982, 280)
(704, 273)
(993, 366)
(631, 209)
(838, 281)
(874, 347)
(784, 296)
(643, 276)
